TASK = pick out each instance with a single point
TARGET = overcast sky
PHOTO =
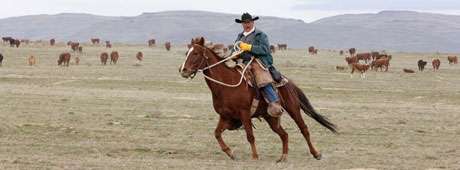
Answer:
(307, 10)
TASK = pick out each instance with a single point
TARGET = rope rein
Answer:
(238, 52)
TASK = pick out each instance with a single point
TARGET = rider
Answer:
(255, 43)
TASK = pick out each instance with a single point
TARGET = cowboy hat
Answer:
(245, 18)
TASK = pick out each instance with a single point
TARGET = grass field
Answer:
(147, 117)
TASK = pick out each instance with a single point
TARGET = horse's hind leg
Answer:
(295, 114)
(278, 129)
(221, 126)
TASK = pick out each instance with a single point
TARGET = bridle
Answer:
(237, 52)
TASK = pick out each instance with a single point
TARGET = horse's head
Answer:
(195, 59)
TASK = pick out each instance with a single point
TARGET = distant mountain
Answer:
(389, 30)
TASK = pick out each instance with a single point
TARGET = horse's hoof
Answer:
(318, 156)
(282, 159)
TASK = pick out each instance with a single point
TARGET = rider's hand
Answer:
(245, 46)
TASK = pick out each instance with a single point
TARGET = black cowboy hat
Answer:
(245, 18)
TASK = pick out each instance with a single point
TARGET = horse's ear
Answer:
(201, 41)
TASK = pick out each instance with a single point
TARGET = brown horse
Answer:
(233, 104)
(64, 59)
(104, 56)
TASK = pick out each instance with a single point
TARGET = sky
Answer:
(306, 10)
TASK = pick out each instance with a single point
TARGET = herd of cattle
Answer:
(362, 62)
(358, 62)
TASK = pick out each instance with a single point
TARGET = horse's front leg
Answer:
(247, 123)
(221, 126)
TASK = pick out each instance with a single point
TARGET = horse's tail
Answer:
(310, 111)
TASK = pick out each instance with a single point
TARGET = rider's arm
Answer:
(261, 45)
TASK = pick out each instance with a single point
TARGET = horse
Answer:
(64, 59)
(233, 103)
(114, 57)
(436, 63)
(421, 64)
(104, 56)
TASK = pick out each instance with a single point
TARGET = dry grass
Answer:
(148, 117)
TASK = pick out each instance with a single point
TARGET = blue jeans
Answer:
(270, 93)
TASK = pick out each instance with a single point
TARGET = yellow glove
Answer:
(245, 46)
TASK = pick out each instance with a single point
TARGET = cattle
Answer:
(311, 50)
(95, 41)
(452, 59)
(52, 42)
(77, 60)
(74, 46)
(436, 63)
(139, 56)
(114, 57)
(15, 42)
(25, 41)
(282, 46)
(374, 55)
(31, 60)
(168, 46)
(382, 56)
(108, 44)
(1, 59)
(408, 70)
(341, 52)
(381, 63)
(104, 56)
(272, 49)
(151, 42)
(366, 57)
(340, 68)
(351, 60)
(352, 51)
(362, 68)
(64, 59)
(421, 65)
(80, 49)
(6, 39)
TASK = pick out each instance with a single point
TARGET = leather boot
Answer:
(275, 109)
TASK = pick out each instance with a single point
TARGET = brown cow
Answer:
(104, 56)
(341, 52)
(108, 44)
(151, 42)
(64, 59)
(374, 55)
(352, 51)
(168, 46)
(408, 70)
(77, 60)
(1, 59)
(380, 63)
(114, 57)
(52, 42)
(15, 42)
(282, 46)
(95, 41)
(80, 49)
(340, 68)
(351, 60)
(452, 59)
(31, 60)
(421, 65)
(25, 41)
(436, 63)
(139, 57)
(74, 46)
(6, 39)
(311, 50)
(364, 56)
(362, 68)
